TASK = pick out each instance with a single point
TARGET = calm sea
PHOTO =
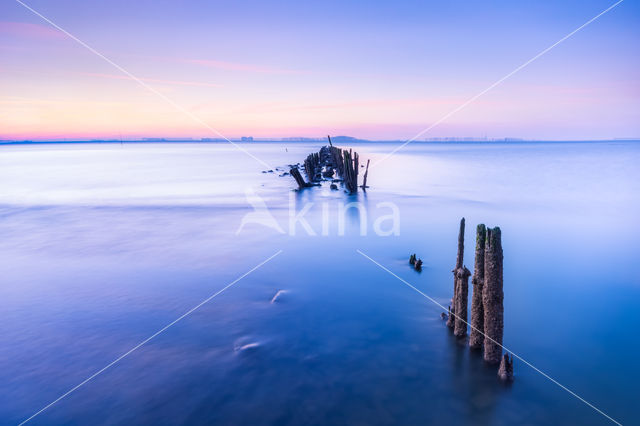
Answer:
(102, 245)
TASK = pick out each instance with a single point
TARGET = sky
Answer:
(371, 69)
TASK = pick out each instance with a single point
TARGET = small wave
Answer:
(247, 347)
(275, 298)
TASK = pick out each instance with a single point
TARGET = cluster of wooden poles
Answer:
(313, 168)
(487, 308)
(326, 162)
(347, 167)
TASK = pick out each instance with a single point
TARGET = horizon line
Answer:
(340, 138)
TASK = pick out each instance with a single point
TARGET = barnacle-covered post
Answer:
(493, 296)
(460, 300)
(476, 337)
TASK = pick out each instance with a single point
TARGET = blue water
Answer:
(103, 245)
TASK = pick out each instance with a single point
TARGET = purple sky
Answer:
(377, 70)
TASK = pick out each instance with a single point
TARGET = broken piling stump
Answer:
(418, 265)
(415, 262)
(505, 372)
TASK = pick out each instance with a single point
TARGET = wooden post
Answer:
(298, 177)
(459, 260)
(460, 300)
(476, 335)
(493, 296)
(364, 180)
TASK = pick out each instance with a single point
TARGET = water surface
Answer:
(104, 244)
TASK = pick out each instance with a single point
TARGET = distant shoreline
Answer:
(306, 141)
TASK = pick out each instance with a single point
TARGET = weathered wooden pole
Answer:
(459, 261)
(364, 179)
(476, 337)
(350, 176)
(493, 296)
(460, 300)
(298, 177)
(460, 255)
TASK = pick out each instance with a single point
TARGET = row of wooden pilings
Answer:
(487, 303)
(347, 167)
(326, 162)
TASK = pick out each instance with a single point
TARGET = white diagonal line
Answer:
(151, 337)
(143, 84)
(503, 347)
(473, 98)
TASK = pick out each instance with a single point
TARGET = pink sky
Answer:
(266, 80)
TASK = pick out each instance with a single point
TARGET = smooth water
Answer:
(102, 245)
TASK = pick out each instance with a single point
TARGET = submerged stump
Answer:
(505, 372)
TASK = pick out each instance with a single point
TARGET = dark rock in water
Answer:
(270, 171)
(505, 372)
(334, 186)
(493, 296)
(412, 259)
(264, 171)
(284, 174)
(418, 265)
(476, 335)
(443, 316)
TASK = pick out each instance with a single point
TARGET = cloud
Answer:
(153, 80)
(356, 104)
(221, 65)
(24, 29)
(234, 66)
